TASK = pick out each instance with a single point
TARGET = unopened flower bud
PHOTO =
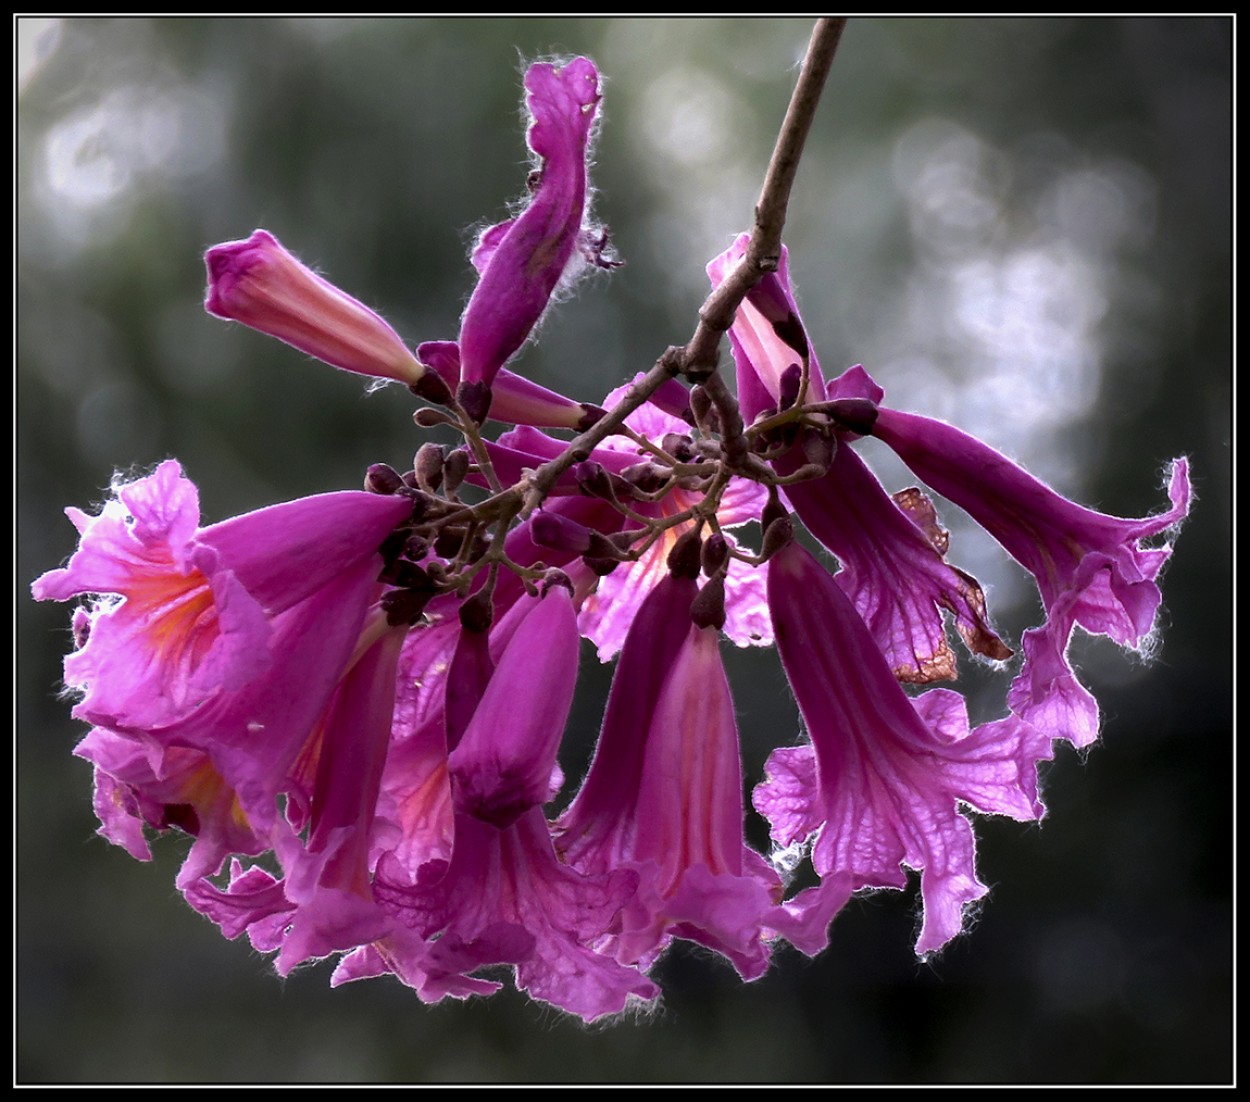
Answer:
(819, 448)
(477, 612)
(455, 467)
(856, 414)
(684, 560)
(474, 399)
(645, 477)
(257, 282)
(773, 510)
(776, 536)
(594, 480)
(789, 383)
(382, 478)
(559, 533)
(679, 446)
(701, 406)
(708, 609)
(428, 467)
(715, 552)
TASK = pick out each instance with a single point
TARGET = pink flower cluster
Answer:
(366, 754)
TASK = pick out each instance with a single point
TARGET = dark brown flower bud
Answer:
(684, 560)
(773, 510)
(788, 386)
(708, 609)
(818, 447)
(474, 399)
(477, 612)
(455, 467)
(432, 388)
(428, 467)
(679, 446)
(858, 415)
(382, 478)
(559, 533)
(432, 418)
(715, 553)
(779, 533)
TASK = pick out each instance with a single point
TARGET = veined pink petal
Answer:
(506, 899)
(186, 613)
(503, 764)
(1050, 536)
(328, 877)
(883, 778)
(257, 282)
(896, 577)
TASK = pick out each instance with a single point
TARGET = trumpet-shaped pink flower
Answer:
(257, 282)
(185, 613)
(506, 899)
(664, 797)
(881, 783)
(523, 260)
(1091, 569)
(502, 765)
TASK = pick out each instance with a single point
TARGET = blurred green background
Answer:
(1023, 226)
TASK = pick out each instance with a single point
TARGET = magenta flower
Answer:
(1091, 569)
(503, 763)
(257, 282)
(523, 260)
(891, 549)
(767, 335)
(506, 899)
(354, 703)
(664, 794)
(186, 613)
(188, 793)
(880, 785)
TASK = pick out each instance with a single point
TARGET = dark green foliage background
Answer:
(371, 148)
